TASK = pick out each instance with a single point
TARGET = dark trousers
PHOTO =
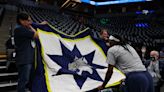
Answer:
(24, 72)
(157, 88)
(139, 82)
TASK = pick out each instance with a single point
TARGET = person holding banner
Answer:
(104, 36)
(24, 35)
(125, 58)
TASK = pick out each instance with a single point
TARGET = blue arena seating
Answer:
(136, 29)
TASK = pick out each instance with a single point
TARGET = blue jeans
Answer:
(24, 72)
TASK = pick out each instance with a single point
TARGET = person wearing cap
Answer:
(124, 57)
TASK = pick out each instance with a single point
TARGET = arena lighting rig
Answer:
(109, 2)
(99, 2)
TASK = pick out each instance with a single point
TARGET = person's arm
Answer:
(107, 77)
(23, 32)
(43, 23)
(35, 25)
(111, 60)
(35, 32)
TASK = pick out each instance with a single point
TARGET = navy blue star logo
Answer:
(80, 66)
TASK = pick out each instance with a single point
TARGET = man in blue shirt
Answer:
(24, 35)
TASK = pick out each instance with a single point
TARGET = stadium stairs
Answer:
(8, 72)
